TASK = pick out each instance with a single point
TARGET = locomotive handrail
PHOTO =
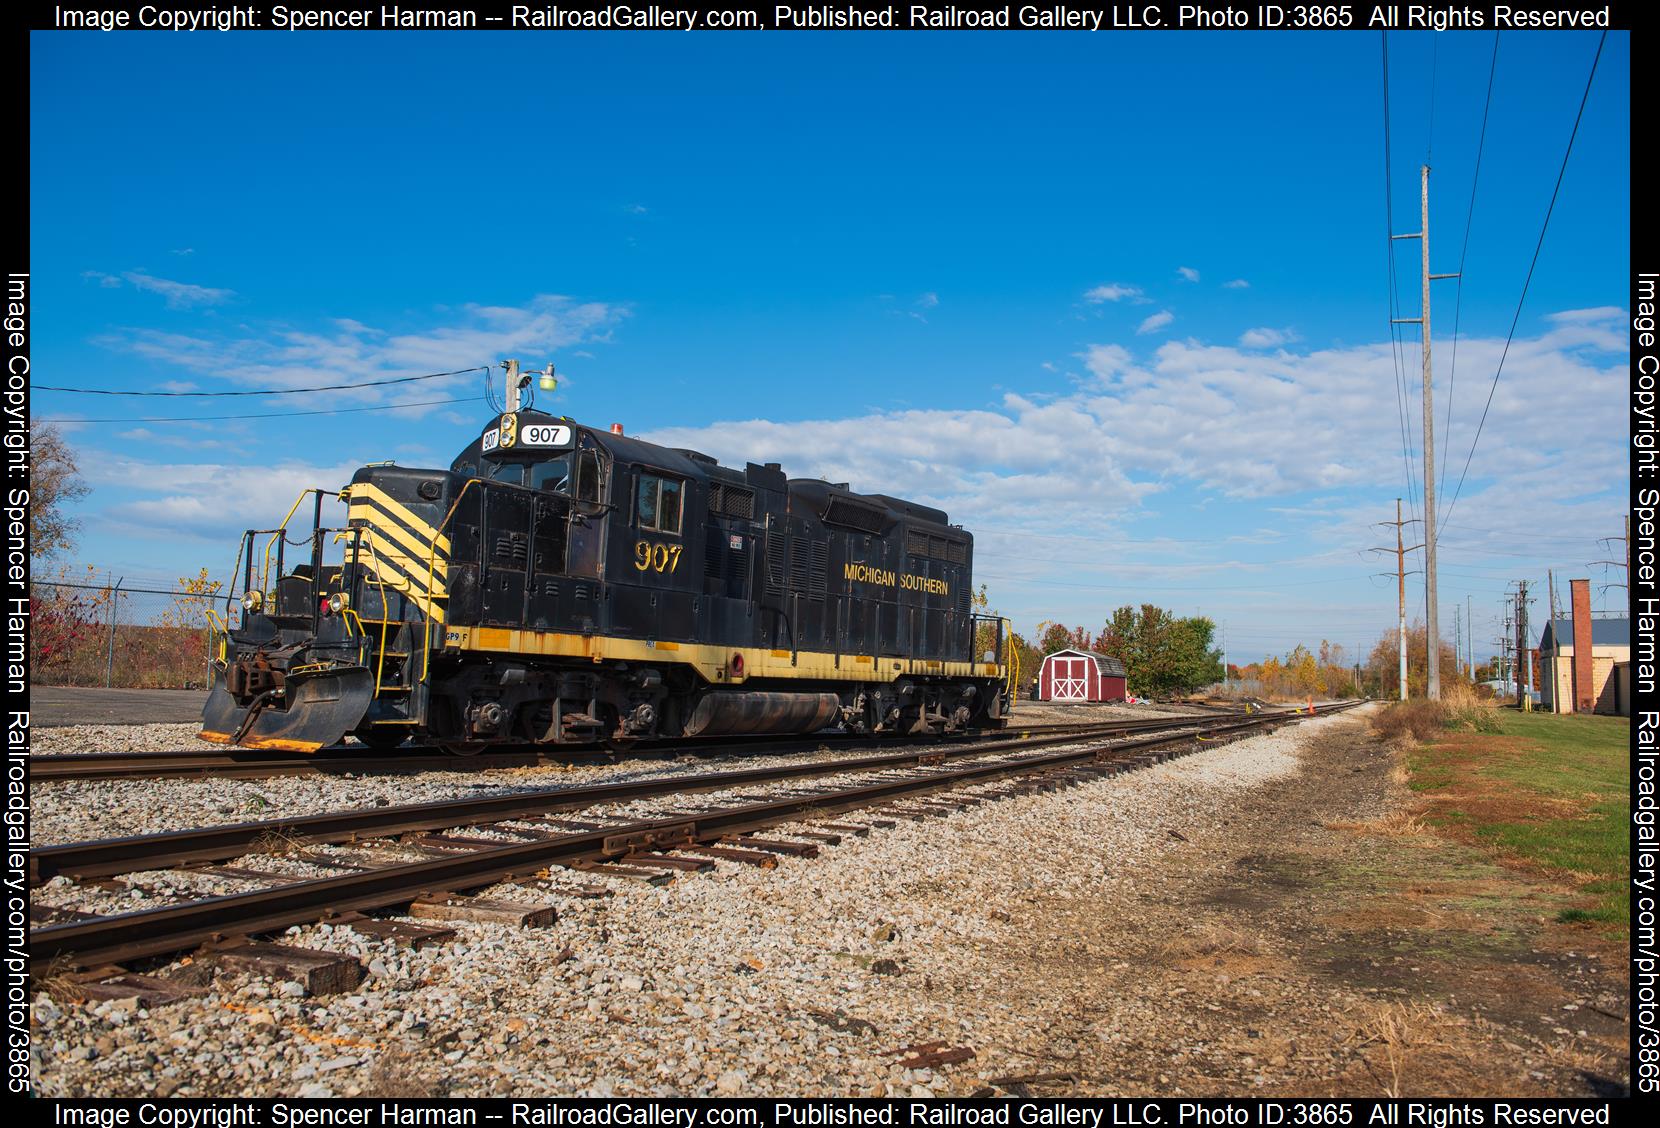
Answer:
(1013, 664)
(219, 637)
(432, 564)
(279, 533)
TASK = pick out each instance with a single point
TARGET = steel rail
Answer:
(155, 932)
(53, 767)
(104, 857)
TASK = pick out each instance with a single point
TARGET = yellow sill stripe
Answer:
(710, 662)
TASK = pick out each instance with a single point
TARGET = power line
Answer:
(267, 415)
(1394, 289)
(1458, 298)
(264, 392)
(1528, 281)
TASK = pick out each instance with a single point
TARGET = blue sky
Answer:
(1117, 302)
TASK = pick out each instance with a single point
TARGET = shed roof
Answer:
(1604, 632)
(1109, 666)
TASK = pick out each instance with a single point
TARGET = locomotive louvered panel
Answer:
(916, 543)
(964, 597)
(737, 561)
(936, 547)
(799, 568)
(511, 548)
(775, 562)
(739, 502)
(818, 569)
(853, 516)
(731, 501)
(956, 551)
(713, 553)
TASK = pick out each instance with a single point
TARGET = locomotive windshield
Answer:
(553, 474)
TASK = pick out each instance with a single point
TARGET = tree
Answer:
(1163, 655)
(54, 484)
(1383, 665)
(1057, 636)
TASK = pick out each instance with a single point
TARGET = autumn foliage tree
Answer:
(1164, 656)
(54, 483)
(1383, 665)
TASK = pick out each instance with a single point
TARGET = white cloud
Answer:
(1156, 322)
(1188, 273)
(191, 497)
(1266, 338)
(349, 352)
(928, 300)
(179, 295)
(1243, 424)
(1112, 292)
(1236, 284)
(1590, 316)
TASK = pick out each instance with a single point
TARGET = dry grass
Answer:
(278, 843)
(1468, 711)
(1410, 720)
(1399, 1031)
(59, 983)
(1396, 824)
(1212, 940)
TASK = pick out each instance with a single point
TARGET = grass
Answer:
(1549, 792)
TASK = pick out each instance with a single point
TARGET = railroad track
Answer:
(252, 764)
(532, 838)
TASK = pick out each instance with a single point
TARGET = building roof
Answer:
(1109, 666)
(1604, 632)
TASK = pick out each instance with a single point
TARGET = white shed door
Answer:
(1070, 679)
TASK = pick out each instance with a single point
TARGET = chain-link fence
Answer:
(90, 633)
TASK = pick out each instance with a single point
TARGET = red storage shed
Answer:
(1081, 675)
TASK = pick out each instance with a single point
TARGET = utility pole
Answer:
(1400, 575)
(1524, 699)
(512, 400)
(1431, 606)
(1458, 641)
(1524, 650)
(1470, 632)
(1506, 638)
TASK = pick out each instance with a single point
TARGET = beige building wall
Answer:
(1603, 660)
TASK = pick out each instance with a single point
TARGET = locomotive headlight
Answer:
(253, 600)
(337, 602)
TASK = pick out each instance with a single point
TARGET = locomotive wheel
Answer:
(383, 740)
(462, 749)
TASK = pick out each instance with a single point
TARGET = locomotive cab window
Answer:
(554, 474)
(657, 503)
(588, 484)
(512, 473)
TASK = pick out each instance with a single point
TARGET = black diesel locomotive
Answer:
(561, 583)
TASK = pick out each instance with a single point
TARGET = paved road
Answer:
(52, 706)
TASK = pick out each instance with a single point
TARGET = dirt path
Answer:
(1320, 942)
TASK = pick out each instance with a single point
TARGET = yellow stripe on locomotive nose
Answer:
(399, 545)
(367, 491)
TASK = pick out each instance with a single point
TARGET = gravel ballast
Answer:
(808, 978)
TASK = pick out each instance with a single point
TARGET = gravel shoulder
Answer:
(1244, 920)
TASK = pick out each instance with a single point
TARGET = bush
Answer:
(1468, 710)
(1415, 720)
